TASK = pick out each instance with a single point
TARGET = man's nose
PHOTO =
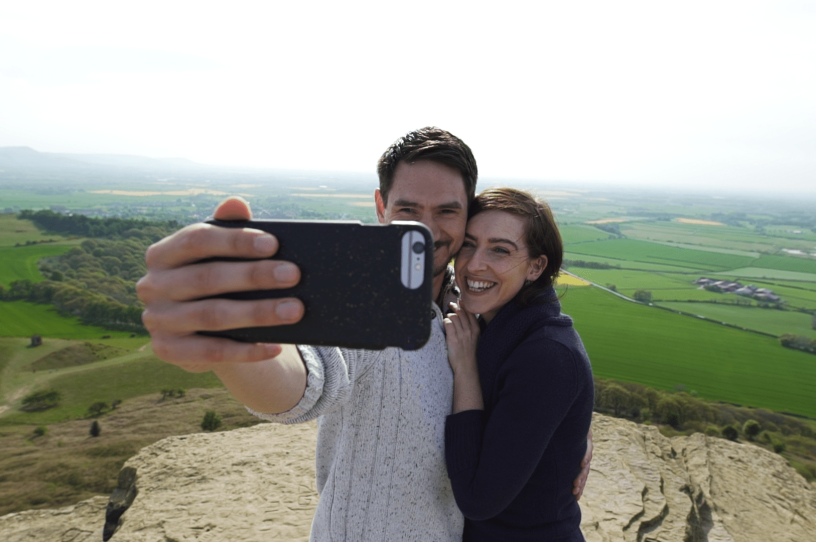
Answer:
(431, 223)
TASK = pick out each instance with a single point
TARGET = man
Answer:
(380, 459)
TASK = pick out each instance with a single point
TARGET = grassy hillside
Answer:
(14, 231)
(636, 343)
(66, 465)
(20, 263)
(23, 319)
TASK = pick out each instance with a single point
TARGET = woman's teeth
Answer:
(479, 286)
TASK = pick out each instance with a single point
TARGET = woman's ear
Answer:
(537, 266)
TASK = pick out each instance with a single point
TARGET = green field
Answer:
(765, 320)
(726, 237)
(14, 231)
(759, 273)
(635, 343)
(668, 286)
(624, 264)
(644, 251)
(786, 263)
(20, 263)
(23, 319)
(106, 381)
(572, 234)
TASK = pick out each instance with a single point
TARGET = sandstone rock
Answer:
(646, 487)
(78, 523)
(257, 484)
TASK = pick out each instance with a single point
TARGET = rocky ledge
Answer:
(258, 484)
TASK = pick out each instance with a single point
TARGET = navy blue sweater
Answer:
(512, 465)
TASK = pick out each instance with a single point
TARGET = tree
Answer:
(644, 296)
(669, 410)
(813, 322)
(730, 432)
(115, 403)
(41, 400)
(40, 431)
(97, 408)
(751, 429)
(211, 421)
(96, 430)
(615, 397)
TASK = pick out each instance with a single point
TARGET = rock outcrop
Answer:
(258, 484)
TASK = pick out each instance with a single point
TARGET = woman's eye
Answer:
(501, 250)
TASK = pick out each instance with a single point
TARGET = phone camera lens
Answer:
(418, 247)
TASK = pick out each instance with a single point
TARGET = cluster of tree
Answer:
(798, 342)
(100, 407)
(172, 392)
(588, 265)
(92, 227)
(682, 411)
(614, 229)
(41, 400)
(30, 243)
(95, 281)
(644, 296)
(211, 421)
(82, 301)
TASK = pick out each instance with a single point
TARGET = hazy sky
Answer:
(701, 93)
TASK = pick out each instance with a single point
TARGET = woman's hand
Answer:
(462, 331)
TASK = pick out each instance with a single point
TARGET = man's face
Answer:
(433, 194)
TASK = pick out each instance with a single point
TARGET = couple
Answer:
(402, 437)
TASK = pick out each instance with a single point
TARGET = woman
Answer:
(522, 396)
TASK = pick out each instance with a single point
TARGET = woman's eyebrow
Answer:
(502, 240)
(493, 240)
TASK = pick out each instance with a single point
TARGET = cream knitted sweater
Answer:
(380, 450)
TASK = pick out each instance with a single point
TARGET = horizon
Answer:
(633, 93)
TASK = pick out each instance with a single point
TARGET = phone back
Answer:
(352, 284)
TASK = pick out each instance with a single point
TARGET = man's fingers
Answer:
(197, 353)
(220, 314)
(209, 279)
(200, 241)
(233, 208)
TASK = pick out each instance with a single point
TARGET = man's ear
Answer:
(537, 267)
(378, 200)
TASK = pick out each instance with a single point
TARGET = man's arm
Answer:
(266, 377)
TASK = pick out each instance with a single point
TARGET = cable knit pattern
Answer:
(380, 449)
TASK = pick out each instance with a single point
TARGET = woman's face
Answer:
(494, 262)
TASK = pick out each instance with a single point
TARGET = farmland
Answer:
(629, 240)
(633, 342)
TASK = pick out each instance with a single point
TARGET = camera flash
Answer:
(417, 267)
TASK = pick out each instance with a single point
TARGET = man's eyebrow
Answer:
(494, 240)
(450, 205)
(405, 203)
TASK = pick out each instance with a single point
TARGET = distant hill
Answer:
(26, 158)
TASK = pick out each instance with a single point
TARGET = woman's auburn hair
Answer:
(541, 234)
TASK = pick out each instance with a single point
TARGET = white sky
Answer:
(699, 93)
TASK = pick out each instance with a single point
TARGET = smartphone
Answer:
(363, 286)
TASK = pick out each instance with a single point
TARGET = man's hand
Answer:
(175, 283)
(580, 483)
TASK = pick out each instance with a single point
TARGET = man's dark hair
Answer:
(541, 233)
(435, 145)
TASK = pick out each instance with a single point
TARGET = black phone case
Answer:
(350, 286)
